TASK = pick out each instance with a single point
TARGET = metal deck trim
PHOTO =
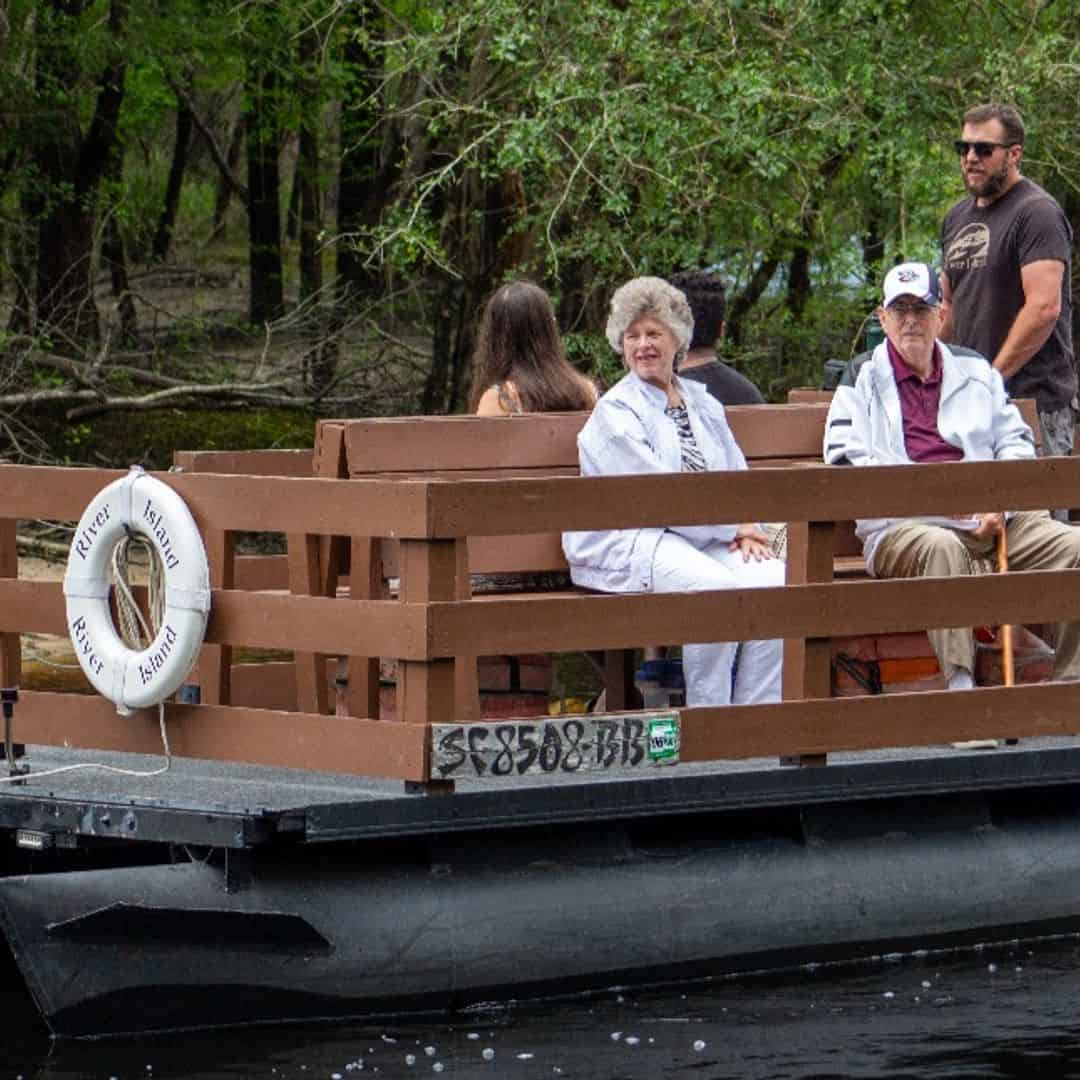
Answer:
(387, 812)
(679, 794)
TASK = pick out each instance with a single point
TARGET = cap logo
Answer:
(907, 275)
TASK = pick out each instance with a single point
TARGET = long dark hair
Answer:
(519, 343)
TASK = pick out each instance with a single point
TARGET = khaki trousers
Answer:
(1035, 542)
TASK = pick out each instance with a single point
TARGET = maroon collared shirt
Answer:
(919, 402)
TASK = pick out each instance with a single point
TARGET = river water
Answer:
(1005, 1011)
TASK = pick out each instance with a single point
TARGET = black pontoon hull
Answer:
(350, 930)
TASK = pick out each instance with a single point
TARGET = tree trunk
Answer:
(310, 259)
(292, 214)
(323, 365)
(71, 167)
(748, 297)
(582, 305)
(363, 185)
(224, 188)
(63, 301)
(873, 247)
(7, 166)
(266, 298)
(112, 251)
(307, 171)
(798, 290)
(366, 173)
(167, 222)
(23, 261)
(485, 255)
(447, 320)
(66, 311)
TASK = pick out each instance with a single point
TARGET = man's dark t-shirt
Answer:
(724, 383)
(984, 250)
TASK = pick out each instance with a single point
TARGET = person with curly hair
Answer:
(651, 422)
(704, 292)
(520, 362)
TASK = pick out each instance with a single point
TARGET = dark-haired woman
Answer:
(520, 363)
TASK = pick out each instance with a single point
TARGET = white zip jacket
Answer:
(865, 427)
(628, 433)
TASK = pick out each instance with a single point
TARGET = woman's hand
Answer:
(752, 542)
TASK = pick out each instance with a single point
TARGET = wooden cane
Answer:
(1007, 671)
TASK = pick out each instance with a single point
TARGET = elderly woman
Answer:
(652, 421)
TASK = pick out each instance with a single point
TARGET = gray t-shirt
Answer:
(727, 385)
(983, 251)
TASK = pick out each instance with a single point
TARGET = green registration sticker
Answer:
(663, 740)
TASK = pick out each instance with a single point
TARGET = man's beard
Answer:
(991, 185)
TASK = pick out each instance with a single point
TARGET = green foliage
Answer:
(583, 141)
(591, 354)
(651, 135)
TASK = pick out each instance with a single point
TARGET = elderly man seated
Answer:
(917, 401)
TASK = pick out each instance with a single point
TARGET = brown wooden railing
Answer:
(434, 623)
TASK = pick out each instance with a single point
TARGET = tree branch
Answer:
(162, 398)
(238, 189)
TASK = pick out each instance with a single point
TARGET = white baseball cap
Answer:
(912, 279)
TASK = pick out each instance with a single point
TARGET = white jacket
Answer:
(628, 433)
(865, 427)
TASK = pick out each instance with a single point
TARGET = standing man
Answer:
(1007, 252)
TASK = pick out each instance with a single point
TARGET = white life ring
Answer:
(140, 504)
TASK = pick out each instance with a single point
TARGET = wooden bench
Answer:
(524, 446)
(324, 569)
(495, 449)
(459, 447)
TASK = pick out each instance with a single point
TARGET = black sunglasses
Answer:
(982, 149)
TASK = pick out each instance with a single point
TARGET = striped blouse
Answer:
(692, 458)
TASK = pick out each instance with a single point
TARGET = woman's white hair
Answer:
(656, 298)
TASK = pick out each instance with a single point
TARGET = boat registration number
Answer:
(556, 746)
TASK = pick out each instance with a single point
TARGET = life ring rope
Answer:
(134, 629)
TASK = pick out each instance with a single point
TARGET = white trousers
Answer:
(678, 566)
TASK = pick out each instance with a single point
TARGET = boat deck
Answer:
(239, 806)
